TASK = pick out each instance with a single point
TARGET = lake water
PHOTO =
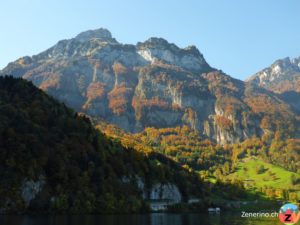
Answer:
(143, 219)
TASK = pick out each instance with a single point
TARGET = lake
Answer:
(140, 219)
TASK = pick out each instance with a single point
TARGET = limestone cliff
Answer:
(150, 84)
(283, 78)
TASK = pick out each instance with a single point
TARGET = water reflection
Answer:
(144, 219)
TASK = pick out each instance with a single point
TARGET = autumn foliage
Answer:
(96, 90)
(41, 138)
(146, 104)
(223, 122)
(118, 68)
(118, 99)
(265, 104)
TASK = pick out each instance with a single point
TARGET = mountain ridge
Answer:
(281, 72)
(282, 78)
(152, 84)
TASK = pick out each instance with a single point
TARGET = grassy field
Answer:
(270, 176)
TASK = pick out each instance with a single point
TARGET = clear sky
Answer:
(240, 37)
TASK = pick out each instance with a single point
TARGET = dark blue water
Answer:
(143, 219)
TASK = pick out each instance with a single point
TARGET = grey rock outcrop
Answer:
(165, 192)
(152, 84)
(283, 78)
(283, 75)
(30, 189)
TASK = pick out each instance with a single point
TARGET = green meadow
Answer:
(257, 175)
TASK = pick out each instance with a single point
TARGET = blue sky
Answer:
(240, 37)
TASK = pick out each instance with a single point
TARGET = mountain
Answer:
(53, 160)
(153, 84)
(282, 77)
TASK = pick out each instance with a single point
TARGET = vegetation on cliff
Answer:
(232, 164)
(84, 171)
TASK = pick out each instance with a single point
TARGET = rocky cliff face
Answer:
(165, 191)
(156, 191)
(282, 77)
(154, 83)
(30, 189)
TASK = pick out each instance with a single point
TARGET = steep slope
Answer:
(282, 77)
(52, 159)
(151, 84)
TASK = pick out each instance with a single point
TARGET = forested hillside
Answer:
(269, 165)
(52, 159)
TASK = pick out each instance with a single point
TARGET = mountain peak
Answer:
(283, 75)
(287, 64)
(296, 61)
(100, 33)
(161, 43)
(193, 50)
(157, 43)
(158, 49)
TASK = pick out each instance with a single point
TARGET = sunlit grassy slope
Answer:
(272, 176)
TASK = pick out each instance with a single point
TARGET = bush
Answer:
(260, 169)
